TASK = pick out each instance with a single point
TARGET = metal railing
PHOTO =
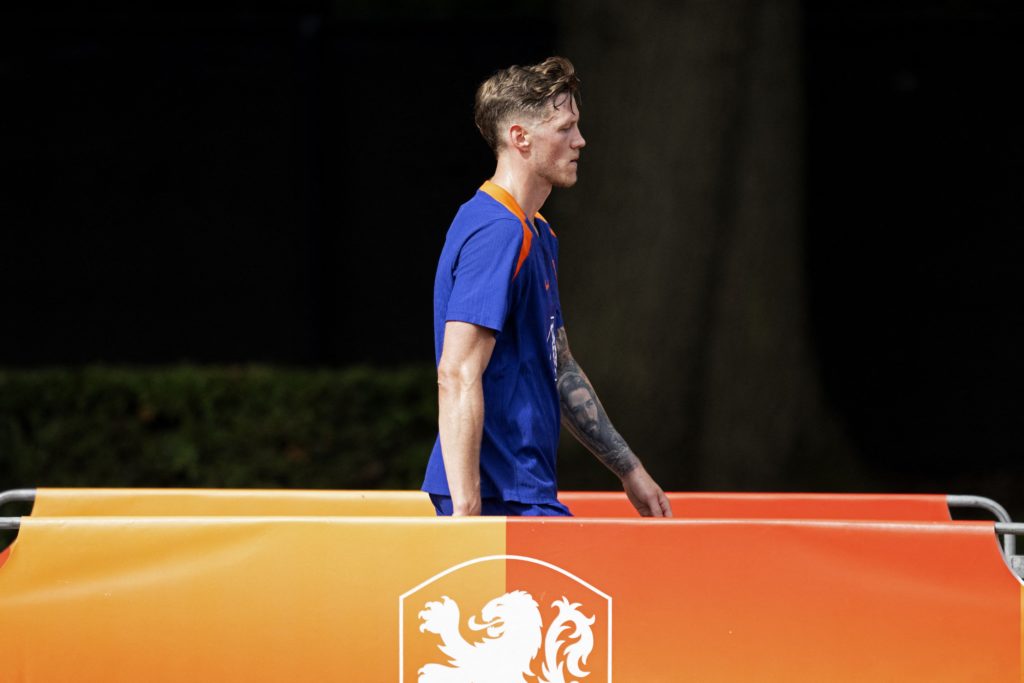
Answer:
(17, 496)
(14, 496)
(997, 510)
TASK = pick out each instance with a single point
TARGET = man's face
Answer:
(556, 141)
(584, 410)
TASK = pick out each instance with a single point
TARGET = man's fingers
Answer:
(649, 506)
(654, 503)
(666, 507)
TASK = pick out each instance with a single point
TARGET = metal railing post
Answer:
(18, 496)
(997, 510)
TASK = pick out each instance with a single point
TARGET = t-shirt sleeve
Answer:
(483, 275)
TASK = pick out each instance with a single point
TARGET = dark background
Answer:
(253, 187)
(915, 186)
(236, 187)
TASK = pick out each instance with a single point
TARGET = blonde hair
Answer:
(521, 90)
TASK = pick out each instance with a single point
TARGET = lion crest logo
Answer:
(513, 628)
(505, 619)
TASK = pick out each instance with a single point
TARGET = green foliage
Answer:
(193, 426)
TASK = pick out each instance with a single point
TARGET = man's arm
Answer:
(584, 417)
(460, 401)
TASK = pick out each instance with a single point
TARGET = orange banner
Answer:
(308, 598)
(794, 601)
(219, 598)
(69, 502)
(770, 506)
(57, 502)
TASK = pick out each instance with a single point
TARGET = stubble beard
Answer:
(562, 180)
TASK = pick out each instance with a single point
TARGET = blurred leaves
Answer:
(196, 426)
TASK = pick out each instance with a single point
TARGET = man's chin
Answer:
(563, 183)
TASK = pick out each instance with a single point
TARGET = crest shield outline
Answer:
(597, 604)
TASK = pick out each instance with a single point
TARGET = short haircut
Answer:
(519, 90)
(570, 382)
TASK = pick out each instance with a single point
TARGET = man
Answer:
(505, 374)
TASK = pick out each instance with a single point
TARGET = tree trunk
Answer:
(681, 247)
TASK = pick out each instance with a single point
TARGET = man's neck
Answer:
(529, 191)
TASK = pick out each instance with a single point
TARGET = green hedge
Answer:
(194, 426)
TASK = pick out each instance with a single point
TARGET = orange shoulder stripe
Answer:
(548, 223)
(502, 196)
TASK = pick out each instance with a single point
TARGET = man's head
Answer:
(534, 110)
(582, 404)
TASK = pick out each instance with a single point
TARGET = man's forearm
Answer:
(460, 424)
(589, 423)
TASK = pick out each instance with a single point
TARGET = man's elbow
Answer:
(455, 379)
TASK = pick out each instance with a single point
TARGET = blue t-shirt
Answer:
(498, 270)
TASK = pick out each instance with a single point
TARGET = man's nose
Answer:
(580, 142)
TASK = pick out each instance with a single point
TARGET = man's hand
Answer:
(469, 507)
(645, 495)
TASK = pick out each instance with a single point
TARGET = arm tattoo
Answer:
(584, 417)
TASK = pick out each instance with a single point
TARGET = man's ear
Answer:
(519, 137)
